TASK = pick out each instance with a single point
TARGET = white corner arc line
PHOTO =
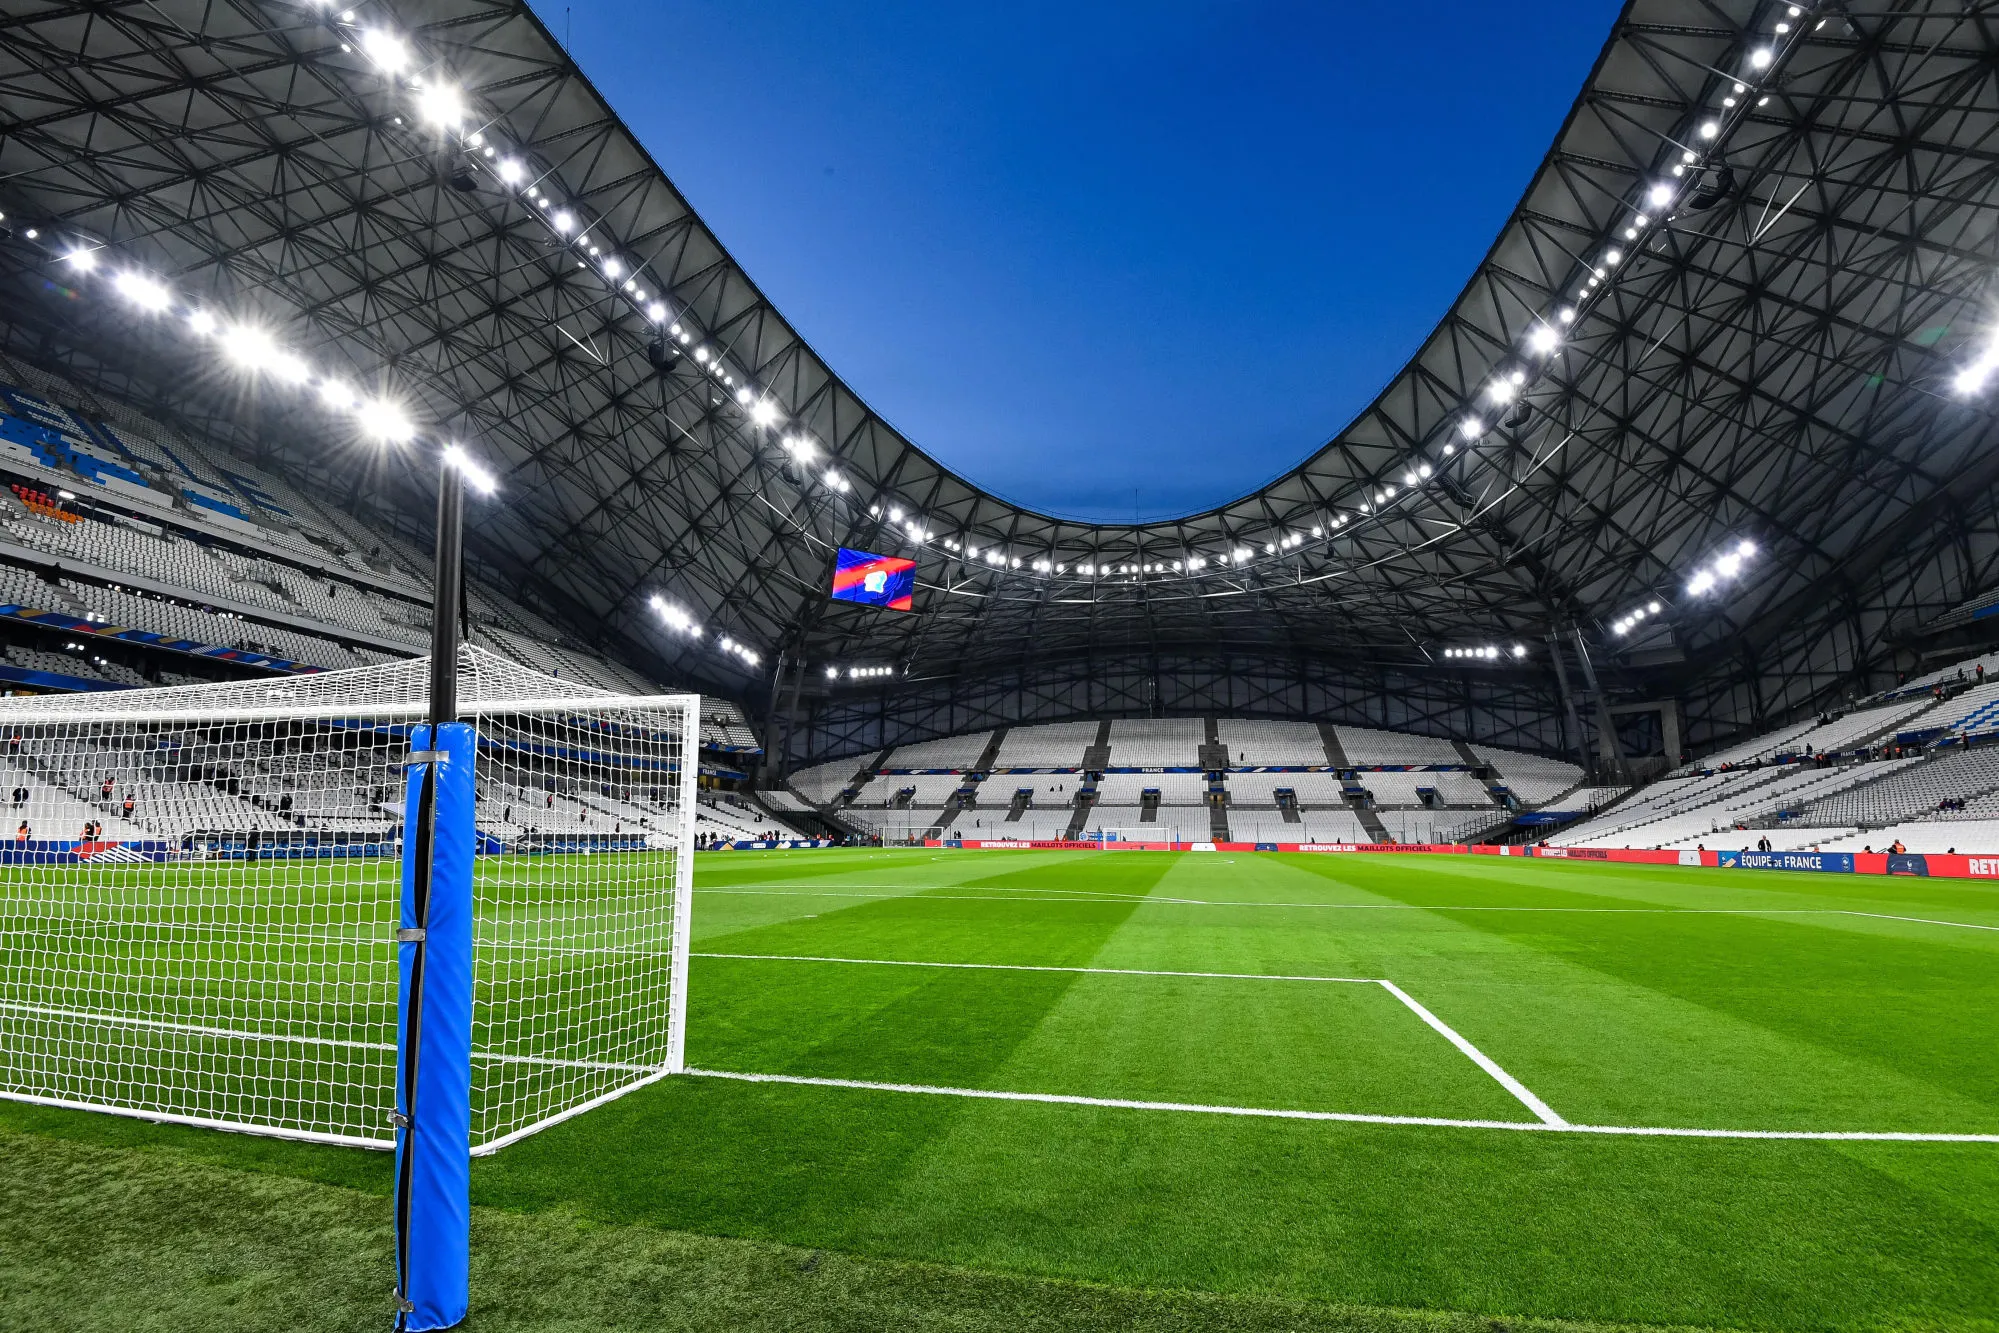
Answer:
(1542, 1111)
(1346, 1117)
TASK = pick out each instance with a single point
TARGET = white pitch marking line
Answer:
(1541, 1109)
(347, 1043)
(1350, 1117)
(1037, 896)
(1034, 967)
(1544, 1112)
(1924, 920)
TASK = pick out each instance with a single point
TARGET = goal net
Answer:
(200, 893)
(1103, 837)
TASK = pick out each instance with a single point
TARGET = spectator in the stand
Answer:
(105, 790)
(20, 797)
(1980, 673)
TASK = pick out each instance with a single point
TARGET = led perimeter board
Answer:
(874, 580)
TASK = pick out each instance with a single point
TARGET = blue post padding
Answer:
(438, 1283)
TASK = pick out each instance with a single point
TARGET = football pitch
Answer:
(1496, 1087)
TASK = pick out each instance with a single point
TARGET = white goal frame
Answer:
(247, 981)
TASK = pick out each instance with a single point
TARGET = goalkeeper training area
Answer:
(1492, 1087)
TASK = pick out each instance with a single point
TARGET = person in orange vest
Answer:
(21, 833)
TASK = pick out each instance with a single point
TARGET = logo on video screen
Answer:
(874, 580)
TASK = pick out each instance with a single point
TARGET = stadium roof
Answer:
(1735, 295)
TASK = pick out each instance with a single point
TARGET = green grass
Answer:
(1628, 995)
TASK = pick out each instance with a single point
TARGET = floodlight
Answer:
(1500, 391)
(385, 421)
(1471, 428)
(441, 105)
(613, 267)
(248, 346)
(476, 476)
(1710, 128)
(288, 368)
(1542, 339)
(386, 50)
(1653, 608)
(656, 312)
(143, 292)
(1761, 57)
(200, 322)
(81, 259)
(743, 396)
(336, 394)
(565, 222)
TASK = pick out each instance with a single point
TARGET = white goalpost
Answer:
(202, 898)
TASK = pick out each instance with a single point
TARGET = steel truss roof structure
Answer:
(1764, 354)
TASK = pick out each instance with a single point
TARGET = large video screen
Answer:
(875, 580)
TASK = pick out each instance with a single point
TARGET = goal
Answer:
(1103, 837)
(201, 892)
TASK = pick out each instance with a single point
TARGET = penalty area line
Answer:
(1520, 1092)
(1542, 1111)
(1343, 1117)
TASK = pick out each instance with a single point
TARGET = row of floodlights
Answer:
(678, 619)
(858, 672)
(252, 349)
(1544, 337)
(444, 107)
(1631, 619)
(1490, 651)
(1722, 569)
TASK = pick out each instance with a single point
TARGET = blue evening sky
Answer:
(1098, 256)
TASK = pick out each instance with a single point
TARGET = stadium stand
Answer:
(1156, 742)
(1445, 799)
(1250, 741)
(1365, 745)
(1050, 745)
(156, 532)
(958, 752)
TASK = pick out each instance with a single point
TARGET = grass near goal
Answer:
(199, 911)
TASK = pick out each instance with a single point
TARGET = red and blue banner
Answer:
(874, 580)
